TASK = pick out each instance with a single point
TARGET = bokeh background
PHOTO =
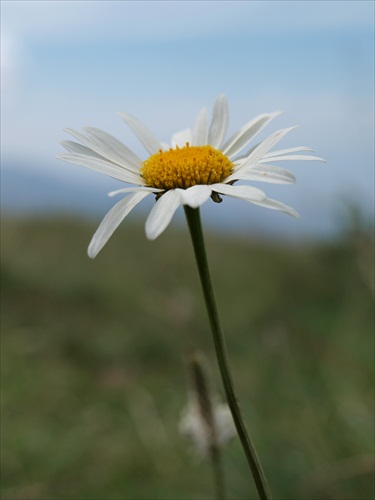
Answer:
(94, 379)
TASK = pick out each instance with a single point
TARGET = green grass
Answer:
(93, 374)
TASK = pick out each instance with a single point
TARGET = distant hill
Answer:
(43, 191)
(35, 191)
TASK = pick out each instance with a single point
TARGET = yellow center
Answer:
(186, 167)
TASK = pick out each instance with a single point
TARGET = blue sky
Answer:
(73, 64)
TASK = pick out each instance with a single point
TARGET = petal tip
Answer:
(293, 213)
(91, 252)
(150, 235)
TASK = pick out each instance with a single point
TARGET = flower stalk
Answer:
(206, 409)
(196, 233)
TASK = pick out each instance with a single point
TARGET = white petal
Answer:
(113, 149)
(138, 188)
(247, 193)
(86, 141)
(276, 205)
(74, 147)
(112, 220)
(145, 136)
(280, 152)
(245, 155)
(246, 133)
(292, 158)
(181, 138)
(195, 196)
(104, 167)
(263, 173)
(162, 213)
(219, 122)
(200, 133)
(93, 145)
(266, 145)
(253, 195)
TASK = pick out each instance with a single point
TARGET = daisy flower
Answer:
(198, 164)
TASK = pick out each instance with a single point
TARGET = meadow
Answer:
(94, 379)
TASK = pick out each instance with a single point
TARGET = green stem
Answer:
(195, 227)
(207, 413)
(218, 473)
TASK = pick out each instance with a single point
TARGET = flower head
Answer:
(196, 166)
(205, 420)
(195, 427)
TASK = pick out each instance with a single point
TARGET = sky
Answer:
(75, 64)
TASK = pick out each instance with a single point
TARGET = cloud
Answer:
(136, 20)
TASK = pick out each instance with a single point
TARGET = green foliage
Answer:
(93, 373)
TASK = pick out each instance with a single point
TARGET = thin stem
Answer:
(207, 413)
(218, 473)
(195, 227)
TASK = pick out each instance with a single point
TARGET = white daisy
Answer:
(197, 165)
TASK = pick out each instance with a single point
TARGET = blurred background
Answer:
(94, 380)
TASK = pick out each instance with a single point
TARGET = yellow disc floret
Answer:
(185, 167)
